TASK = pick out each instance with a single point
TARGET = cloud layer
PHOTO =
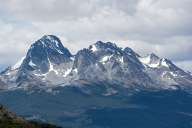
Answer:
(159, 26)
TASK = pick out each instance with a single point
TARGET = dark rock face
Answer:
(83, 59)
(48, 49)
(153, 58)
(44, 53)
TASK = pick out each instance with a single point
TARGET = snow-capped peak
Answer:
(52, 39)
(44, 53)
(49, 61)
(49, 44)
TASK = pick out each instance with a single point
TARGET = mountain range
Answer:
(49, 64)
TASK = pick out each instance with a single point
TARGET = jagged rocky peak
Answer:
(44, 53)
(111, 48)
(101, 44)
(153, 57)
(83, 59)
(131, 57)
(108, 47)
(130, 52)
(110, 52)
(106, 51)
(51, 43)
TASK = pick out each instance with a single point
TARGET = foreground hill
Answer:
(10, 120)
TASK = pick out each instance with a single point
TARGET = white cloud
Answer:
(158, 26)
(186, 65)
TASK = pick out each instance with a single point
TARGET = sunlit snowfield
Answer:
(69, 107)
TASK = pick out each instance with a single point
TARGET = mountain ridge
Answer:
(49, 64)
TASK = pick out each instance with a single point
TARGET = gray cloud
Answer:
(159, 26)
(54, 10)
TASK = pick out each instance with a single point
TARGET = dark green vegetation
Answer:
(10, 120)
(163, 109)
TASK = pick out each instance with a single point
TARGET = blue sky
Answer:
(159, 26)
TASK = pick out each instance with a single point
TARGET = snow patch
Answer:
(67, 72)
(105, 59)
(32, 64)
(18, 64)
(93, 48)
(59, 51)
(57, 43)
(155, 65)
(51, 68)
(145, 60)
(121, 59)
(173, 74)
(75, 70)
(164, 63)
(49, 37)
(41, 42)
(72, 58)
